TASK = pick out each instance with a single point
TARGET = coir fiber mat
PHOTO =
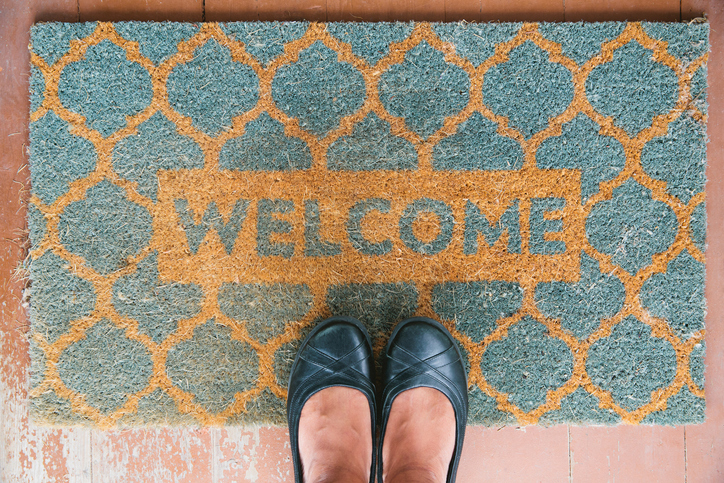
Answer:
(203, 194)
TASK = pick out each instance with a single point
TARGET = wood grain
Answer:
(236, 11)
(522, 11)
(705, 442)
(691, 9)
(158, 10)
(632, 10)
(386, 10)
(28, 453)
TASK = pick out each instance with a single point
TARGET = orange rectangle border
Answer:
(331, 210)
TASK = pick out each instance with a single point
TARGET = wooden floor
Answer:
(558, 454)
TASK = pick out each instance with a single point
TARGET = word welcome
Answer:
(477, 227)
(368, 226)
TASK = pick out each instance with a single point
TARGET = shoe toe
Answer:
(421, 338)
(420, 352)
(338, 340)
(336, 354)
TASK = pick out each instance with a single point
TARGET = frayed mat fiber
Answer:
(204, 194)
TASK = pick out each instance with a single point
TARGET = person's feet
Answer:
(420, 437)
(335, 439)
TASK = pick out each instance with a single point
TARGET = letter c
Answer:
(354, 226)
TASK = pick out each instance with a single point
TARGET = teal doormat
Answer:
(204, 194)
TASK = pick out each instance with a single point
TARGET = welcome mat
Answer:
(204, 194)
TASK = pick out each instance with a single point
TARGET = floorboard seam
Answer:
(215, 460)
(92, 439)
(686, 460)
(570, 459)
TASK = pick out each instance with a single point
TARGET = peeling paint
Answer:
(257, 454)
(30, 453)
(251, 474)
(161, 454)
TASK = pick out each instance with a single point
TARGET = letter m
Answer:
(476, 222)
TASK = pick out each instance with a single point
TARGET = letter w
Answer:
(228, 232)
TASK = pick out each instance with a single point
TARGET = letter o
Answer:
(447, 222)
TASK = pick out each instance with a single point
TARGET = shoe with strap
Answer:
(421, 352)
(338, 352)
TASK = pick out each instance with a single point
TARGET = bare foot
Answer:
(335, 439)
(420, 437)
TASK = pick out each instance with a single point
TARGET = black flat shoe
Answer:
(338, 352)
(422, 353)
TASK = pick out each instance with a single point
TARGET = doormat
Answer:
(204, 194)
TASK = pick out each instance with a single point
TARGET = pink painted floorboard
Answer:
(628, 453)
(705, 443)
(261, 454)
(152, 455)
(510, 454)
